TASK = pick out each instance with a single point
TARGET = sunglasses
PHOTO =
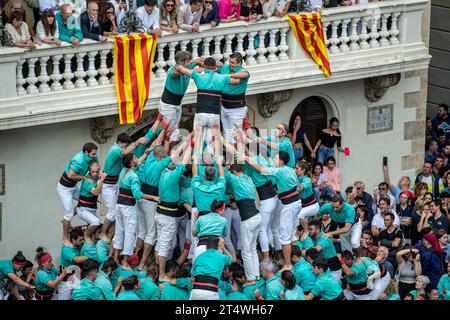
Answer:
(170, 5)
(208, 2)
(110, 12)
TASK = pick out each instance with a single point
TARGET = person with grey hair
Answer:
(167, 215)
(421, 283)
(90, 24)
(358, 190)
(273, 286)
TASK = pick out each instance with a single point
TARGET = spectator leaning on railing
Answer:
(17, 6)
(19, 32)
(268, 7)
(251, 10)
(90, 24)
(121, 8)
(282, 8)
(47, 29)
(149, 16)
(229, 10)
(69, 29)
(189, 16)
(108, 20)
(168, 16)
(210, 13)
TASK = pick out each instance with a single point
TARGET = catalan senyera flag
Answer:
(133, 56)
(309, 33)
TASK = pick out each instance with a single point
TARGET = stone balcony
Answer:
(57, 84)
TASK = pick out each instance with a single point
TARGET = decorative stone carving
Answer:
(102, 128)
(376, 87)
(148, 117)
(269, 103)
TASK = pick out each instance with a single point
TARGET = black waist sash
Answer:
(266, 191)
(182, 211)
(150, 190)
(309, 201)
(171, 98)
(360, 288)
(169, 209)
(208, 101)
(66, 181)
(289, 197)
(204, 239)
(126, 197)
(206, 283)
(44, 295)
(88, 202)
(232, 101)
(247, 208)
(111, 179)
(340, 297)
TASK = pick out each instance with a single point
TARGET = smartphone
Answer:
(385, 163)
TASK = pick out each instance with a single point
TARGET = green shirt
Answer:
(328, 250)
(326, 286)
(125, 274)
(236, 88)
(210, 263)
(128, 295)
(170, 292)
(6, 266)
(104, 284)
(210, 80)
(236, 295)
(113, 162)
(304, 275)
(249, 291)
(371, 265)
(444, 283)
(129, 180)
(243, 186)
(177, 84)
(86, 187)
(307, 191)
(102, 250)
(187, 196)
(274, 288)
(153, 168)
(169, 187)
(211, 224)
(307, 243)
(43, 276)
(87, 291)
(184, 283)
(346, 215)
(80, 163)
(67, 255)
(149, 290)
(294, 294)
(90, 250)
(285, 178)
(360, 275)
(283, 145)
(205, 193)
(258, 178)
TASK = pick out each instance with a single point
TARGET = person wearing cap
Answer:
(68, 188)
(356, 275)
(8, 272)
(112, 168)
(126, 218)
(211, 225)
(289, 204)
(149, 174)
(326, 287)
(47, 278)
(244, 193)
(167, 215)
(207, 270)
(234, 106)
(209, 90)
(86, 289)
(421, 283)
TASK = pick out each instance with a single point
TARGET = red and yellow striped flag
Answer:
(133, 56)
(309, 33)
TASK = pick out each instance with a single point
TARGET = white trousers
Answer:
(199, 294)
(349, 295)
(147, 224)
(266, 209)
(274, 232)
(230, 118)
(109, 195)
(380, 285)
(337, 275)
(249, 235)
(351, 240)
(194, 240)
(65, 289)
(67, 196)
(170, 112)
(126, 229)
(207, 120)
(166, 227)
(288, 217)
(89, 215)
(306, 212)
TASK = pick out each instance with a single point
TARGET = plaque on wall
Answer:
(2, 180)
(380, 119)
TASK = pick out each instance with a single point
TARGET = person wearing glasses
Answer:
(168, 16)
(121, 8)
(210, 13)
(108, 20)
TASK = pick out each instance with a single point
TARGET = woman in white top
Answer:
(47, 29)
(19, 33)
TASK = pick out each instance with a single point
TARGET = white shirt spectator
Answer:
(191, 17)
(40, 32)
(391, 206)
(16, 37)
(150, 21)
(120, 13)
(378, 220)
(315, 4)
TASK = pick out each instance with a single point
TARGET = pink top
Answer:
(333, 177)
(226, 9)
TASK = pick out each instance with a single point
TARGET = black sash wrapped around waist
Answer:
(66, 181)
(126, 197)
(168, 209)
(334, 264)
(360, 288)
(88, 202)
(266, 191)
(202, 213)
(44, 295)
(232, 101)
(204, 239)
(182, 211)
(289, 197)
(206, 283)
(171, 98)
(150, 190)
(111, 179)
(309, 201)
(340, 297)
(208, 101)
(247, 208)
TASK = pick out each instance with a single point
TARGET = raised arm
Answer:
(218, 150)
(183, 70)
(96, 191)
(256, 166)
(198, 131)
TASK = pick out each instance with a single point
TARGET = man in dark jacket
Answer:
(210, 13)
(90, 24)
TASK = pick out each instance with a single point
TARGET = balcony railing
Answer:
(357, 38)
